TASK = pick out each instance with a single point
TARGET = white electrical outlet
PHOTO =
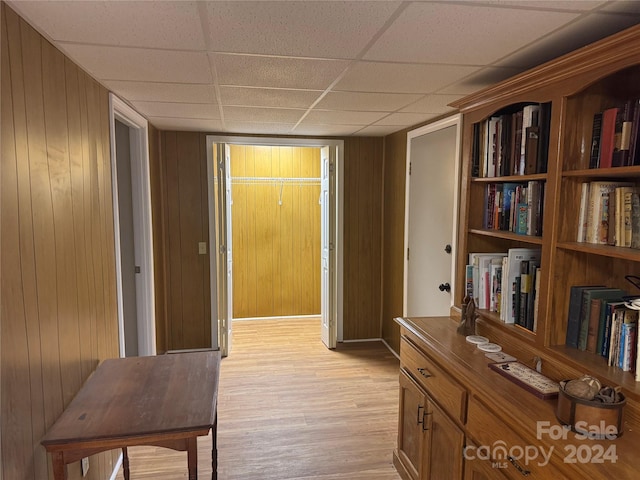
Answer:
(84, 466)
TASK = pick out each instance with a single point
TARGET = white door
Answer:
(327, 244)
(430, 233)
(224, 264)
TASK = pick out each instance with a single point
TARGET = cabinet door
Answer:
(411, 419)
(443, 450)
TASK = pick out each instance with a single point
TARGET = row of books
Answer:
(515, 142)
(615, 137)
(506, 283)
(600, 322)
(609, 214)
(514, 207)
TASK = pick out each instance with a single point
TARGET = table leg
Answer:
(125, 463)
(214, 450)
(192, 458)
(59, 467)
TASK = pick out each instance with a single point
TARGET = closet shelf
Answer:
(275, 180)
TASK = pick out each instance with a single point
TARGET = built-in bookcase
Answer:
(575, 87)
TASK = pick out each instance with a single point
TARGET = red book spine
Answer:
(607, 137)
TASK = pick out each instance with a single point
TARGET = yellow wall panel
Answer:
(276, 232)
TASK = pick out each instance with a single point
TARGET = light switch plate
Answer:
(202, 248)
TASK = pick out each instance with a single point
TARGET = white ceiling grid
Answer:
(334, 68)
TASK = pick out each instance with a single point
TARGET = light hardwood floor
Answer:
(289, 409)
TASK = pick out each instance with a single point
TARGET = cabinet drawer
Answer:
(504, 446)
(449, 394)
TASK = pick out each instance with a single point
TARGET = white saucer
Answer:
(489, 347)
(477, 339)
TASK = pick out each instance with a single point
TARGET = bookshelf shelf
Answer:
(615, 172)
(575, 90)
(623, 253)
(511, 178)
(531, 239)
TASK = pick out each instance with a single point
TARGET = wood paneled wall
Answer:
(183, 163)
(395, 157)
(58, 268)
(185, 223)
(276, 246)
(362, 237)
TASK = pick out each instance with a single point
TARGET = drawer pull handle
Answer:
(424, 373)
(518, 467)
(418, 420)
(424, 421)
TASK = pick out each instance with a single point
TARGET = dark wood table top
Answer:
(141, 397)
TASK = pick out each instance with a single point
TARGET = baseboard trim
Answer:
(288, 317)
(395, 354)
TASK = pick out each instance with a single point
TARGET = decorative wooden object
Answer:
(468, 319)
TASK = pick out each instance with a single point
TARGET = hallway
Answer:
(288, 409)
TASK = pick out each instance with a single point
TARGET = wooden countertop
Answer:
(515, 406)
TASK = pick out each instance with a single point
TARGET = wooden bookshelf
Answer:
(577, 86)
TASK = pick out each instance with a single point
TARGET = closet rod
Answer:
(275, 180)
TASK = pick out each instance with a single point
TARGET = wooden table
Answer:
(166, 401)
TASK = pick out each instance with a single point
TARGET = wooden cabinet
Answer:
(429, 441)
(575, 87)
(442, 456)
(507, 433)
(411, 437)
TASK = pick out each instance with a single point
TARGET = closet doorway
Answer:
(275, 232)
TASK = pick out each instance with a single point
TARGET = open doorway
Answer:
(132, 229)
(268, 181)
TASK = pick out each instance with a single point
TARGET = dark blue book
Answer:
(573, 317)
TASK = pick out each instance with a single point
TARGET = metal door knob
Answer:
(444, 287)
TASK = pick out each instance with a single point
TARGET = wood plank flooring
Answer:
(289, 409)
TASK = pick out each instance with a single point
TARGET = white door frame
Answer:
(454, 120)
(279, 142)
(143, 238)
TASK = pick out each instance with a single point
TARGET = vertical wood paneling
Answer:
(395, 149)
(362, 237)
(58, 282)
(275, 246)
(183, 159)
(158, 201)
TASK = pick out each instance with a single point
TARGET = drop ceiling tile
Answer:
(343, 117)
(166, 24)
(276, 72)
(327, 130)
(406, 119)
(569, 38)
(139, 64)
(432, 104)
(377, 102)
(163, 92)
(186, 124)
(259, 128)
(455, 33)
(268, 97)
(268, 115)
(401, 77)
(483, 78)
(302, 29)
(179, 110)
(379, 130)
